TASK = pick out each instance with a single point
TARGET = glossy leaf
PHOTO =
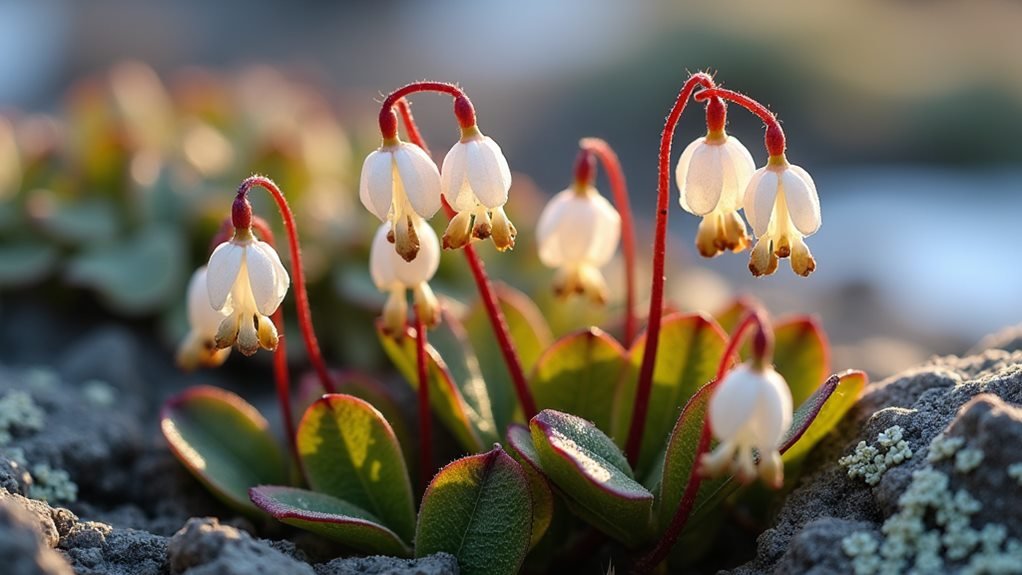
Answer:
(801, 355)
(519, 443)
(330, 517)
(680, 460)
(530, 334)
(224, 442)
(690, 349)
(592, 471)
(478, 509)
(821, 412)
(349, 451)
(580, 375)
(729, 317)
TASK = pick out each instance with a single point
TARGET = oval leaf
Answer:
(224, 442)
(591, 470)
(478, 509)
(349, 451)
(519, 442)
(530, 334)
(580, 375)
(801, 355)
(821, 412)
(330, 517)
(689, 352)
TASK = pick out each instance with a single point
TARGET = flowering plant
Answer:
(599, 440)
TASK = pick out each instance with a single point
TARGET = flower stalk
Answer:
(425, 422)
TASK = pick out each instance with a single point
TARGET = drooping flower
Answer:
(199, 348)
(394, 275)
(399, 181)
(749, 410)
(578, 233)
(712, 175)
(783, 207)
(247, 282)
(475, 179)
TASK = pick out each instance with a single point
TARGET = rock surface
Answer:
(953, 505)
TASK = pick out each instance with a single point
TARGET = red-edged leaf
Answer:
(224, 442)
(801, 355)
(330, 517)
(520, 447)
(478, 509)
(821, 412)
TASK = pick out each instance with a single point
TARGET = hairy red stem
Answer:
(486, 293)
(775, 140)
(602, 150)
(425, 424)
(297, 276)
(282, 379)
(656, 300)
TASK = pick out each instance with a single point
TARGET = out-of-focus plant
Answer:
(632, 445)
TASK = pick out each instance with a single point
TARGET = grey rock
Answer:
(110, 355)
(438, 564)
(24, 550)
(926, 401)
(1008, 339)
(205, 547)
(14, 477)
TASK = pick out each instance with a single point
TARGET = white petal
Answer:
(547, 226)
(424, 266)
(734, 402)
(704, 179)
(485, 174)
(222, 271)
(607, 231)
(502, 166)
(264, 269)
(381, 259)
(420, 178)
(803, 201)
(759, 199)
(454, 179)
(202, 318)
(773, 412)
(738, 168)
(376, 185)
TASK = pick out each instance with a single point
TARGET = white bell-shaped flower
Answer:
(199, 349)
(247, 282)
(399, 180)
(783, 207)
(475, 179)
(394, 275)
(712, 175)
(750, 410)
(578, 233)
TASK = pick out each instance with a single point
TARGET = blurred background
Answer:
(128, 120)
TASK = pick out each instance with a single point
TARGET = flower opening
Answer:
(475, 179)
(783, 207)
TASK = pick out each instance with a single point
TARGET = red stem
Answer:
(619, 188)
(486, 293)
(297, 276)
(695, 479)
(656, 301)
(283, 383)
(425, 433)
(775, 140)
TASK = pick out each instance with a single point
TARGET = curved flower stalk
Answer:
(199, 349)
(712, 175)
(400, 182)
(394, 276)
(578, 233)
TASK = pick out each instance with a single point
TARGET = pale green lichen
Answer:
(52, 485)
(870, 463)
(18, 412)
(99, 392)
(968, 459)
(41, 378)
(1015, 472)
(943, 447)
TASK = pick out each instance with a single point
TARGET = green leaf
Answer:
(24, 263)
(680, 460)
(86, 221)
(445, 397)
(580, 375)
(478, 509)
(689, 352)
(530, 334)
(592, 472)
(821, 412)
(136, 275)
(330, 517)
(224, 442)
(801, 355)
(349, 451)
(519, 442)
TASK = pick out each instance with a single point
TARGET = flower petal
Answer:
(803, 201)
(202, 318)
(381, 256)
(772, 416)
(425, 264)
(704, 179)
(420, 178)
(760, 195)
(607, 231)
(738, 168)
(486, 173)
(734, 402)
(547, 228)
(681, 171)
(222, 271)
(376, 184)
(264, 268)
